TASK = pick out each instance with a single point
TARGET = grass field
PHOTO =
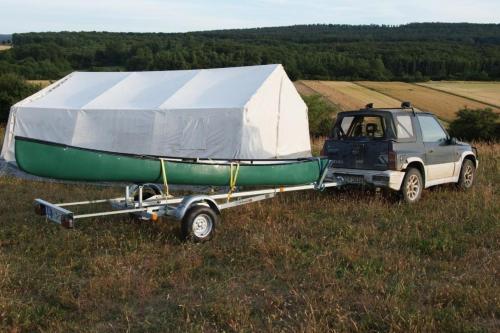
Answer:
(305, 262)
(444, 105)
(348, 95)
(485, 92)
(4, 47)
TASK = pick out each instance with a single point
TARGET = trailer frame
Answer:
(151, 207)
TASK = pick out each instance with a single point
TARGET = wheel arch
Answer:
(193, 200)
(419, 165)
(471, 157)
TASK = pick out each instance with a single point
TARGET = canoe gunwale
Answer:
(208, 161)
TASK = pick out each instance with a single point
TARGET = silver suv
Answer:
(401, 149)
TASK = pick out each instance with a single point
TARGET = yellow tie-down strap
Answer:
(233, 177)
(164, 178)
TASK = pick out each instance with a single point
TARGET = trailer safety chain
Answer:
(233, 176)
(164, 178)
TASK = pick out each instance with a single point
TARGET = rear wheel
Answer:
(467, 173)
(198, 225)
(411, 189)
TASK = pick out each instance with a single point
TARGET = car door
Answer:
(439, 154)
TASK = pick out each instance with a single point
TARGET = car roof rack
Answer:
(407, 105)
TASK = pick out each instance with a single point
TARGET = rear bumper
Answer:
(389, 178)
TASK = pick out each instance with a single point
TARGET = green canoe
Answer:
(52, 160)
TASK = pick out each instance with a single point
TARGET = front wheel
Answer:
(198, 225)
(466, 178)
(411, 189)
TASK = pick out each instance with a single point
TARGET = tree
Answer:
(142, 59)
(412, 52)
(480, 124)
(320, 115)
(13, 88)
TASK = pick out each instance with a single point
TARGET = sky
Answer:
(195, 15)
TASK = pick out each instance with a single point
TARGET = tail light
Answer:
(391, 160)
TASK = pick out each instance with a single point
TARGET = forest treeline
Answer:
(412, 52)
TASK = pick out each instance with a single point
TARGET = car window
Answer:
(404, 127)
(431, 129)
(346, 123)
(367, 126)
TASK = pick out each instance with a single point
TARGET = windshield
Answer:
(360, 127)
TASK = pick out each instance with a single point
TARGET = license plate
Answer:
(53, 214)
(353, 179)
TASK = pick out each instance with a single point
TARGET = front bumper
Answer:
(388, 178)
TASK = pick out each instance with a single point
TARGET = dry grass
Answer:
(485, 92)
(4, 47)
(306, 262)
(442, 104)
(303, 89)
(350, 96)
(41, 83)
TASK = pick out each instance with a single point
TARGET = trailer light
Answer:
(40, 210)
(67, 221)
(154, 217)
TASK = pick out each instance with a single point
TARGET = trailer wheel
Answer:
(198, 225)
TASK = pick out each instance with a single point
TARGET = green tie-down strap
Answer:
(233, 177)
(164, 177)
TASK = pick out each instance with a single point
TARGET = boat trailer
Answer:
(199, 213)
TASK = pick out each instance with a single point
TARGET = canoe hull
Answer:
(57, 161)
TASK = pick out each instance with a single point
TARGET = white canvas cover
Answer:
(249, 112)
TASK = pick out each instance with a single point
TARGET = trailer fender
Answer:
(193, 200)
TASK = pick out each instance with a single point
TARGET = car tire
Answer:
(412, 186)
(198, 225)
(467, 175)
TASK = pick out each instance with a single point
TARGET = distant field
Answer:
(442, 104)
(486, 92)
(303, 89)
(348, 95)
(42, 83)
(4, 47)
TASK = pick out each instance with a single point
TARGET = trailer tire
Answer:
(198, 225)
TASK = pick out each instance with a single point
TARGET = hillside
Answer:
(409, 52)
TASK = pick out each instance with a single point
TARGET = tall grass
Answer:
(303, 262)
